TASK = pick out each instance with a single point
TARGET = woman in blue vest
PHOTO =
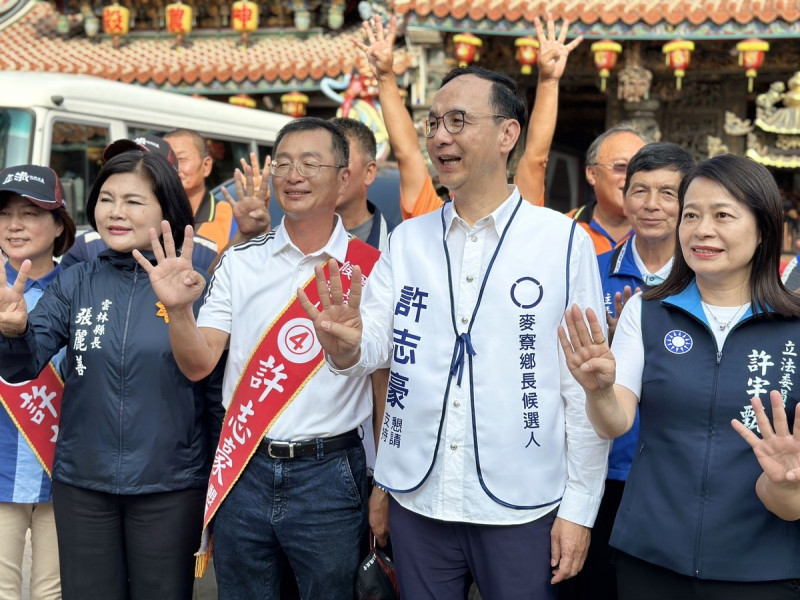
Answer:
(703, 516)
(35, 227)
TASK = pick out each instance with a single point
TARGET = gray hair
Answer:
(594, 147)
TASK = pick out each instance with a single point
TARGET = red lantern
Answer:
(679, 55)
(605, 58)
(294, 104)
(467, 48)
(751, 57)
(527, 53)
(244, 18)
(179, 20)
(116, 21)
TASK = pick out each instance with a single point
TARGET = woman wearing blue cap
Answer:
(34, 227)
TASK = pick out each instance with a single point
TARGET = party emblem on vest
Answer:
(526, 292)
(297, 341)
(678, 342)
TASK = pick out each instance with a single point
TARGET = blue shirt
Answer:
(22, 478)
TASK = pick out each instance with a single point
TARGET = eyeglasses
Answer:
(619, 168)
(453, 121)
(306, 169)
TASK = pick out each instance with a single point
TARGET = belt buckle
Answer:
(289, 445)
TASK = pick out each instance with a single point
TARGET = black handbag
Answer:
(376, 579)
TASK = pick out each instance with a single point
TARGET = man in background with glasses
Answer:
(488, 468)
(289, 474)
(606, 162)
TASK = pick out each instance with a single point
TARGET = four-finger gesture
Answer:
(173, 279)
(380, 51)
(620, 299)
(777, 450)
(13, 310)
(553, 50)
(586, 349)
(338, 324)
(251, 206)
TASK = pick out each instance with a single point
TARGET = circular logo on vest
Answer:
(298, 342)
(526, 292)
(678, 342)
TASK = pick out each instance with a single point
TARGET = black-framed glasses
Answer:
(453, 121)
(305, 168)
(619, 168)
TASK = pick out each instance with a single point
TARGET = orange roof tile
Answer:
(270, 62)
(659, 16)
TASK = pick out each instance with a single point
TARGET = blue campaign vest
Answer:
(690, 504)
(526, 282)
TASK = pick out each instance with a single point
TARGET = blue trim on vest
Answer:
(689, 301)
(569, 255)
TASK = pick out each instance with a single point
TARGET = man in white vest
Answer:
(488, 468)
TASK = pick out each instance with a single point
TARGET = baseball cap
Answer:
(38, 184)
(146, 143)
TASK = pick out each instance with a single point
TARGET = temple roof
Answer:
(644, 19)
(212, 63)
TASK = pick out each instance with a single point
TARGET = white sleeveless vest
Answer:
(508, 358)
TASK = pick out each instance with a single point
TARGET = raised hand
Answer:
(251, 206)
(553, 51)
(619, 302)
(380, 52)
(13, 310)
(586, 349)
(777, 450)
(173, 279)
(338, 324)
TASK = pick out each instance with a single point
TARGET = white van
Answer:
(65, 121)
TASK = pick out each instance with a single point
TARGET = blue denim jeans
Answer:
(315, 510)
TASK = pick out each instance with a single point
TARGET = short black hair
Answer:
(361, 134)
(165, 184)
(339, 144)
(659, 155)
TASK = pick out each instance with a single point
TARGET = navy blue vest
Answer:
(690, 503)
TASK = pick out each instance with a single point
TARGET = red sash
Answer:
(35, 406)
(284, 361)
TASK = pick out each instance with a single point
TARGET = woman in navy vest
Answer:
(703, 515)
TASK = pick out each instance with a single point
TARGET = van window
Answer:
(225, 154)
(16, 133)
(76, 154)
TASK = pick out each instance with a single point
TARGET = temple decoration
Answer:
(678, 56)
(244, 19)
(467, 48)
(751, 58)
(774, 137)
(179, 21)
(605, 58)
(116, 22)
(294, 104)
(242, 100)
(527, 53)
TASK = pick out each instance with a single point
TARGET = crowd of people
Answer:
(592, 406)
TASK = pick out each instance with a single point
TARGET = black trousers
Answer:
(118, 547)
(638, 579)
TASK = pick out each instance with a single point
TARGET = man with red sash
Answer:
(289, 474)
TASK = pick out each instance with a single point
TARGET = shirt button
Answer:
(469, 278)
(456, 403)
(453, 446)
(464, 320)
(474, 238)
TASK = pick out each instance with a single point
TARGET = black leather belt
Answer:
(317, 447)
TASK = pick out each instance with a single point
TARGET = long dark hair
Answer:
(753, 185)
(165, 184)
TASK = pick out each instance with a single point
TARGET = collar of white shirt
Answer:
(499, 217)
(336, 247)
